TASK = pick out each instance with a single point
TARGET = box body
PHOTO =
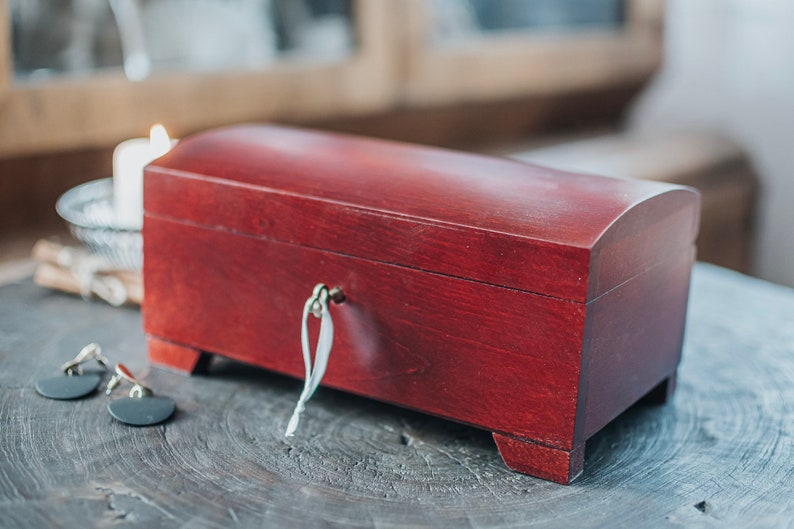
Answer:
(532, 303)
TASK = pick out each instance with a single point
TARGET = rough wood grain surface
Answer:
(721, 454)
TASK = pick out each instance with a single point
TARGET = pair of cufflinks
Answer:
(140, 408)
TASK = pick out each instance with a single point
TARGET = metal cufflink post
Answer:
(122, 374)
(92, 351)
(75, 384)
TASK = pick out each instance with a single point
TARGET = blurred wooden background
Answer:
(507, 92)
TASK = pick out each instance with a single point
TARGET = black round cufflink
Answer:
(141, 407)
(73, 383)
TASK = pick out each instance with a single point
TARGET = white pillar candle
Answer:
(129, 159)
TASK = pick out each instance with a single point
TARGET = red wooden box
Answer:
(533, 303)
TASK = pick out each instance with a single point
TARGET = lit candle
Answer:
(129, 159)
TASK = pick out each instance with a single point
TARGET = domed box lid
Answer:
(486, 219)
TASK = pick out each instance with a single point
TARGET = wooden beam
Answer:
(512, 64)
(100, 110)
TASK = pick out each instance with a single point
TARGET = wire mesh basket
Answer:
(88, 212)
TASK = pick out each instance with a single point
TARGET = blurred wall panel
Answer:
(728, 66)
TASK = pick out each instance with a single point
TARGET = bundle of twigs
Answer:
(78, 271)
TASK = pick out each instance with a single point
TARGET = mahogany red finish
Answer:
(529, 302)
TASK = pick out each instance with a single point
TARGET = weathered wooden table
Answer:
(720, 455)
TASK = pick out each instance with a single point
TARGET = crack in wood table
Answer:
(721, 454)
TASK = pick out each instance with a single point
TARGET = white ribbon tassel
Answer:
(317, 303)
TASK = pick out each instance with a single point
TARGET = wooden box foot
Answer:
(175, 357)
(554, 464)
(662, 392)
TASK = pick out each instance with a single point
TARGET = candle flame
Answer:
(159, 140)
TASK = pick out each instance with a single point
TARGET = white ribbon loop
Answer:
(317, 305)
(88, 270)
